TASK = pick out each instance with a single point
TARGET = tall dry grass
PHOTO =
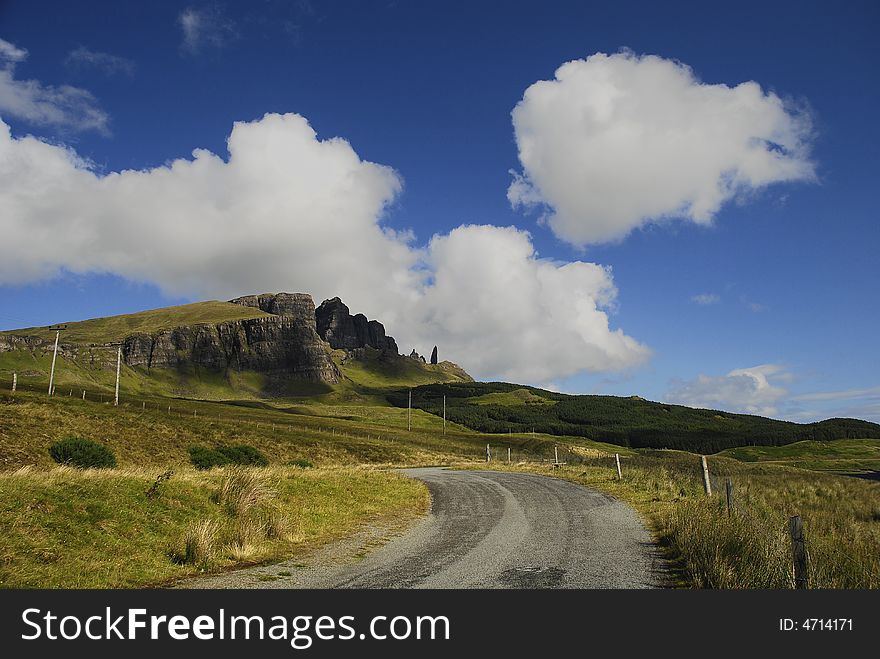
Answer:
(199, 543)
(243, 489)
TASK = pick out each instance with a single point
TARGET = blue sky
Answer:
(786, 267)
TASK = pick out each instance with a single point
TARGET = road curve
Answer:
(491, 529)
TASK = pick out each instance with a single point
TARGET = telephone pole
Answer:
(54, 357)
(118, 365)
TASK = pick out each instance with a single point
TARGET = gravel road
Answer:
(486, 530)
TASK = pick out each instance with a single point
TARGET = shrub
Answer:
(205, 458)
(241, 454)
(303, 464)
(82, 453)
(245, 455)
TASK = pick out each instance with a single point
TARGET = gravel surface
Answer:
(486, 530)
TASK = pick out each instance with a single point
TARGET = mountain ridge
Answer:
(272, 334)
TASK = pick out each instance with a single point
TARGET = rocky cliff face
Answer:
(342, 330)
(295, 341)
(297, 305)
(332, 320)
(282, 345)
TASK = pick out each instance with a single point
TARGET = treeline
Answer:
(632, 422)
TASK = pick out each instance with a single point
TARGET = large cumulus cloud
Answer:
(616, 141)
(289, 211)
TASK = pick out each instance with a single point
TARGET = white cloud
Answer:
(753, 390)
(513, 315)
(706, 299)
(9, 52)
(617, 141)
(872, 393)
(205, 27)
(287, 211)
(82, 58)
(63, 106)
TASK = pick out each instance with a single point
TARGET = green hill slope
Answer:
(113, 329)
(845, 456)
(93, 369)
(499, 407)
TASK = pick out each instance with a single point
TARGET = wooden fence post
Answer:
(706, 482)
(617, 462)
(488, 454)
(798, 552)
(14, 382)
(728, 486)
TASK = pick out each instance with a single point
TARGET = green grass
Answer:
(116, 328)
(97, 529)
(508, 398)
(373, 372)
(842, 456)
(142, 432)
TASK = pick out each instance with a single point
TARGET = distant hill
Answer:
(499, 407)
(116, 328)
(269, 345)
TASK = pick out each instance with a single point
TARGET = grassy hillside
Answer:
(849, 456)
(46, 504)
(372, 371)
(93, 370)
(115, 328)
(634, 422)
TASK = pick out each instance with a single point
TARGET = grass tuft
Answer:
(242, 490)
(199, 543)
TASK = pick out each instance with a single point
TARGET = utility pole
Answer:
(118, 366)
(409, 412)
(54, 357)
(444, 414)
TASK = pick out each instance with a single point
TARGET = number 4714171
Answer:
(816, 624)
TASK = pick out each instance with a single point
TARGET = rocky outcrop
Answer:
(434, 356)
(298, 305)
(342, 330)
(283, 345)
(100, 355)
(417, 356)
(294, 340)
